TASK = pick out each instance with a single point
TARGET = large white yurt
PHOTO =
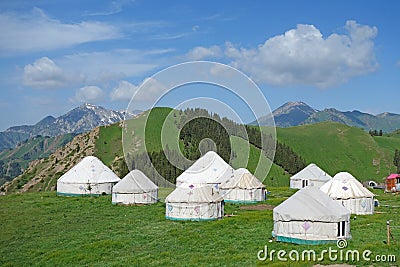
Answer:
(135, 188)
(89, 177)
(244, 187)
(194, 203)
(349, 192)
(310, 217)
(310, 175)
(210, 169)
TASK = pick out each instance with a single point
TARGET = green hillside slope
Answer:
(14, 161)
(276, 175)
(337, 147)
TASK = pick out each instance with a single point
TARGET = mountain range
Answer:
(86, 117)
(81, 119)
(339, 148)
(299, 113)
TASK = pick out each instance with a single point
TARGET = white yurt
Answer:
(310, 175)
(89, 177)
(310, 217)
(244, 187)
(210, 169)
(135, 188)
(194, 203)
(349, 192)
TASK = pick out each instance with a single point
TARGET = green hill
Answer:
(337, 147)
(395, 134)
(141, 137)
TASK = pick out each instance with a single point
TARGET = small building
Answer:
(194, 203)
(135, 188)
(310, 217)
(393, 183)
(89, 177)
(348, 191)
(310, 175)
(244, 187)
(210, 169)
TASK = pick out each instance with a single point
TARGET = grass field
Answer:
(41, 229)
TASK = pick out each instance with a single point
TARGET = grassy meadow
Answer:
(42, 229)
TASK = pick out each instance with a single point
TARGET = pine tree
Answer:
(396, 160)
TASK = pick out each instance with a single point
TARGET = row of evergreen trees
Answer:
(204, 134)
(200, 132)
(285, 157)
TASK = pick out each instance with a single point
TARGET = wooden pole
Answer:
(388, 232)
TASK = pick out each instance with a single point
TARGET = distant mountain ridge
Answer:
(81, 119)
(14, 161)
(299, 113)
(291, 114)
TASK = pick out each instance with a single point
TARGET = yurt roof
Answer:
(134, 182)
(89, 170)
(242, 179)
(312, 172)
(191, 194)
(310, 204)
(210, 168)
(344, 186)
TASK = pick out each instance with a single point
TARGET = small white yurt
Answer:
(244, 187)
(194, 203)
(349, 192)
(135, 188)
(310, 175)
(89, 177)
(210, 169)
(310, 217)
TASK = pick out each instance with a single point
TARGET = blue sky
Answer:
(55, 55)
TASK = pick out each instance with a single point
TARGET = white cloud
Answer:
(304, 56)
(88, 94)
(38, 32)
(149, 90)
(195, 28)
(44, 73)
(123, 91)
(114, 7)
(101, 67)
(92, 68)
(169, 36)
(201, 52)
